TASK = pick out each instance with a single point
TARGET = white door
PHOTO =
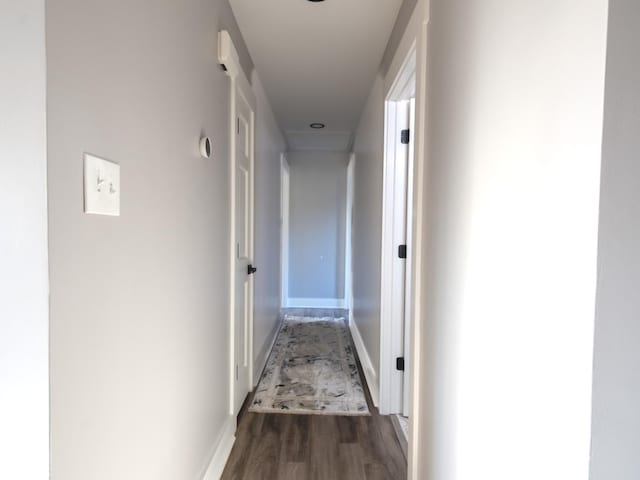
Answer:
(243, 297)
(401, 239)
(396, 274)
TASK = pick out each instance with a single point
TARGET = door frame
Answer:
(228, 58)
(285, 189)
(348, 246)
(420, 449)
(398, 210)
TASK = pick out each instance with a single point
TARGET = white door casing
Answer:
(241, 253)
(397, 229)
(406, 391)
(348, 257)
(285, 175)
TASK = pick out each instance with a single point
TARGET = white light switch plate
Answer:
(101, 186)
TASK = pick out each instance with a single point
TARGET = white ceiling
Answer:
(317, 62)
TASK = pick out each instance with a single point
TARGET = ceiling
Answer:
(317, 62)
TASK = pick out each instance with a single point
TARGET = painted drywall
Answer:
(616, 384)
(400, 28)
(515, 105)
(317, 225)
(139, 303)
(24, 346)
(317, 62)
(367, 225)
(268, 149)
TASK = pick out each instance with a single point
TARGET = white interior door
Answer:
(400, 237)
(243, 218)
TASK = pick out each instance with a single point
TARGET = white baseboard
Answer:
(222, 450)
(261, 359)
(365, 360)
(402, 437)
(315, 303)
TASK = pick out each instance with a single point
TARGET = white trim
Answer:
(366, 363)
(417, 448)
(408, 291)
(404, 85)
(400, 434)
(261, 358)
(395, 231)
(285, 183)
(227, 56)
(252, 226)
(315, 303)
(348, 256)
(221, 451)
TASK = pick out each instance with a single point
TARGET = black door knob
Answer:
(251, 269)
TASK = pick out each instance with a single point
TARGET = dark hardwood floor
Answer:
(273, 446)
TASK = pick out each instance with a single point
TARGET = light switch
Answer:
(101, 186)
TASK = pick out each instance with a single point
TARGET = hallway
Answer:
(458, 178)
(315, 447)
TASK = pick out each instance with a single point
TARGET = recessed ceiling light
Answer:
(316, 125)
(315, 1)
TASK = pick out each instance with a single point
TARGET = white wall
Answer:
(24, 350)
(139, 303)
(317, 226)
(515, 105)
(367, 226)
(269, 146)
(615, 451)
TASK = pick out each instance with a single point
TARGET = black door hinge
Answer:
(400, 364)
(402, 251)
(404, 136)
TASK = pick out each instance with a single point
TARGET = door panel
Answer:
(243, 304)
(400, 238)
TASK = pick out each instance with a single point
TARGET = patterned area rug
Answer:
(311, 370)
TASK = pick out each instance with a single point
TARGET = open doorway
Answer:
(397, 228)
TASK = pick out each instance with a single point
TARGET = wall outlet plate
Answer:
(101, 186)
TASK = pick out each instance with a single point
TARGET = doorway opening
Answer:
(397, 257)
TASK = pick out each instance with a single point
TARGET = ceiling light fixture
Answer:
(316, 125)
(315, 1)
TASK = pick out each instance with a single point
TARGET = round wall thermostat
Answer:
(205, 147)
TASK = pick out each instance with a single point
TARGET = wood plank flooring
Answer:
(274, 446)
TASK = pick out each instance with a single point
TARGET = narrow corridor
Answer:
(288, 446)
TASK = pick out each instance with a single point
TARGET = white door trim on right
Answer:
(395, 294)
(417, 436)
